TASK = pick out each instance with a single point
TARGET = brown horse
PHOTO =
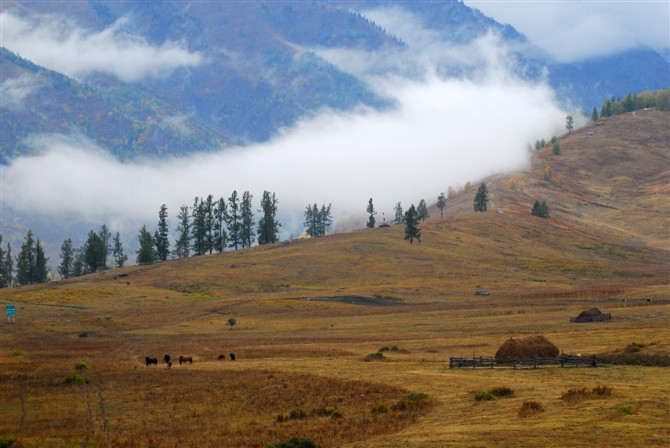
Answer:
(169, 364)
(149, 360)
(185, 359)
(222, 357)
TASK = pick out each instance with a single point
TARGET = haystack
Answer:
(527, 348)
(590, 313)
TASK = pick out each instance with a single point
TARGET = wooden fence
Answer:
(483, 361)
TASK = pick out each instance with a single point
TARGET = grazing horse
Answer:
(185, 359)
(169, 364)
(222, 357)
(149, 360)
(232, 356)
(166, 358)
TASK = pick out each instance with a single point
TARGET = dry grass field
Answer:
(301, 368)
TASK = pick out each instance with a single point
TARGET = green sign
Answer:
(10, 310)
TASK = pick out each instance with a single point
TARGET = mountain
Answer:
(261, 69)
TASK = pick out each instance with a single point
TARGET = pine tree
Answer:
(594, 114)
(78, 266)
(248, 232)
(481, 201)
(220, 236)
(540, 209)
(268, 226)
(161, 235)
(569, 123)
(198, 227)
(9, 265)
(26, 263)
(183, 244)
(41, 270)
(120, 258)
(371, 211)
(4, 274)
(318, 221)
(66, 259)
(209, 224)
(106, 237)
(325, 219)
(422, 210)
(399, 217)
(556, 149)
(441, 204)
(95, 253)
(234, 221)
(146, 253)
(412, 229)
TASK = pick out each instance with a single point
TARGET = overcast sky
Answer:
(575, 30)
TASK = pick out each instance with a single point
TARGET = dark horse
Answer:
(166, 358)
(222, 357)
(149, 360)
(185, 359)
(232, 356)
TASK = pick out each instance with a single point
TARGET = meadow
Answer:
(73, 373)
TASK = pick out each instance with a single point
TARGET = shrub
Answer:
(7, 441)
(625, 410)
(378, 356)
(380, 409)
(16, 352)
(634, 347)
(83, 334)
(484, 396)
(556, 149)
(502, 391)
(529, 408)
(411, 402)
(81, 365)
(384, 349)
(327, 412)
(575, 395)
(295, 442)
(75, 379)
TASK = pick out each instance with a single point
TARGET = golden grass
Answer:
(308, 355)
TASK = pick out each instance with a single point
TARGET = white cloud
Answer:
(14, 91)
(56, 43)
(575, 30)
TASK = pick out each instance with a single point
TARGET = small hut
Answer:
(527, 348)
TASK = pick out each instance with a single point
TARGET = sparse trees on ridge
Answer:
(268, 226)
(371, 212)
(247, 229)
(67, 253)
(31, 263)
(120, 258)
(412, 229)
(569, 123)
(481, 200)
(234, 221)
(6, 265)
(161, 236)
(183, 244)
(318, 221)
(146, 253)
(441, 204)
(422, 210)
(220, 235)
(95, 253)
(399, 216)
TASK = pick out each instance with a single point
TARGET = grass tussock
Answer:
(530, 408)
(377, 356)
(578, 394)
(496, 392)
(295, 442)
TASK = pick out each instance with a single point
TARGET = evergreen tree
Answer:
(41, 271)
(325, 219)
(268, 226)
(183, 244)
(198, 226)
(26, 264)
(234, 221)
(220, 236)
(481, 201)
(371, 211)
(594, 114)
(120, 258)
(5, 274)
(9, 265)
(209, 224)
(106, 237)
(556, 149)
(540, 209)
(161, 236)
(441, 204)
(399, 217)
(66, 259)
(247, 230)
(422, 210)
(146, 253)
(569, 123)
(606, 109)
(78, 265)
(318, 221)
(412, 229)
(31, 263)
(95, 253)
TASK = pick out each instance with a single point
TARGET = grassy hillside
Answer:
(308, 312)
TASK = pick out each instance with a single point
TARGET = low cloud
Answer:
(573, 31)
(58, 44)
(14, 91)
(442, 132)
